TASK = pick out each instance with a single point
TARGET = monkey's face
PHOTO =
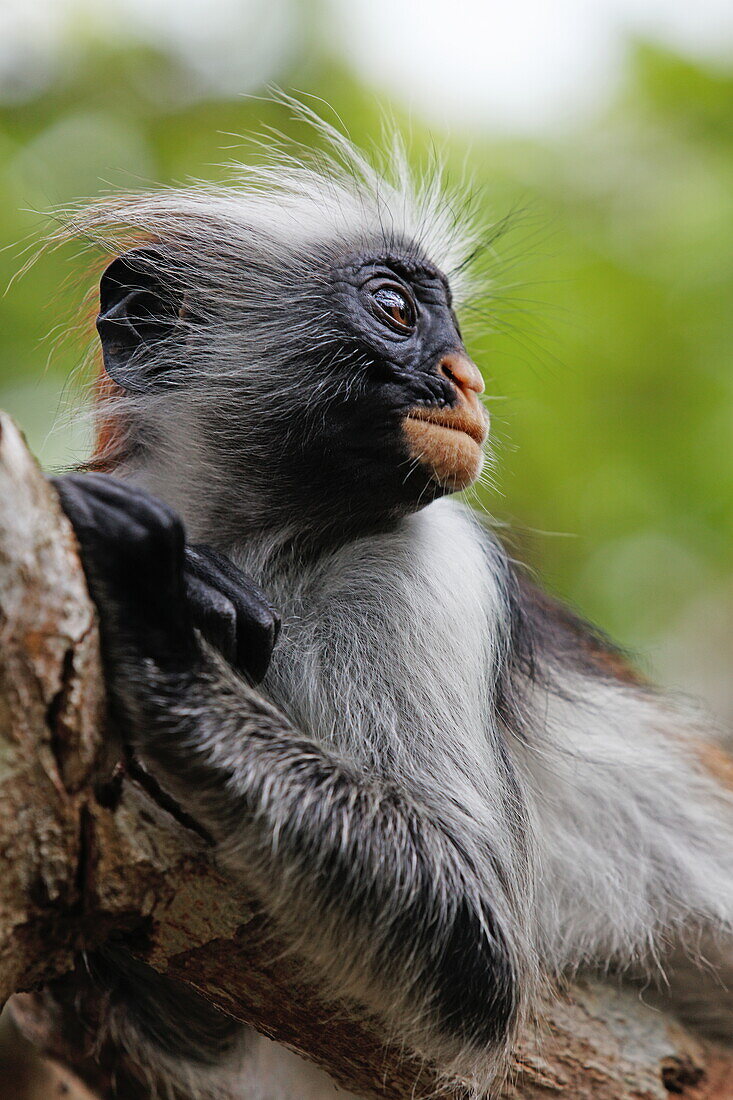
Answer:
(334, 391)
(421, 389)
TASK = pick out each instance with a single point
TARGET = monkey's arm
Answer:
(383, 898)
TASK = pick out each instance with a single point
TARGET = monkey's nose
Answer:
(463, 373)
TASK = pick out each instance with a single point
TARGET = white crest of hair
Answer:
(335, 195)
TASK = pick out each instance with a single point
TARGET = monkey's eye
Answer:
(394, 306)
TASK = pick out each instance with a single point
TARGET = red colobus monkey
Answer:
(457, 785)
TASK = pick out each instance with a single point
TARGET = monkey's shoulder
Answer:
(546, 632)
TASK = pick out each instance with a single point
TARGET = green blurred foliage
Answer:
(606, 333)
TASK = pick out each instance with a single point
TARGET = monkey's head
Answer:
(287, 354)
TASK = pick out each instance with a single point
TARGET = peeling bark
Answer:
(87, 852)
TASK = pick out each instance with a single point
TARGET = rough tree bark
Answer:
(87, 852)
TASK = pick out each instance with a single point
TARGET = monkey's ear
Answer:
(136, 312)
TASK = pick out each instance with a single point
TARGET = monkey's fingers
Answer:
(228, 605)
(214, 615)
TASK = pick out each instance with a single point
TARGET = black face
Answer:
(347, 399)
(412, 427)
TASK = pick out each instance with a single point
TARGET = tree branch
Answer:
(88, 852)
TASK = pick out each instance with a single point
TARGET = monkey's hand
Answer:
(153, 591)
(230, 610)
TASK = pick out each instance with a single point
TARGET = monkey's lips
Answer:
(449, 442)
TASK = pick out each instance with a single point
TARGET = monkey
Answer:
(451, 789)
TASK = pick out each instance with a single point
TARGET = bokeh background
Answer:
(600, 133)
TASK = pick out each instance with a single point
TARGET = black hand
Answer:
(132, 549)
(230, 610)
(151, 590)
